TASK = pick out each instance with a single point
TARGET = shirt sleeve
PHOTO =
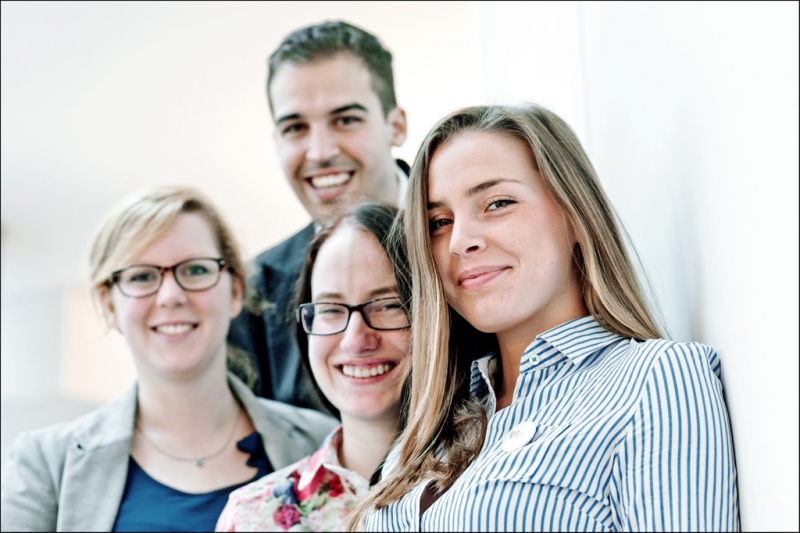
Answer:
(675, 470)
(250, 507)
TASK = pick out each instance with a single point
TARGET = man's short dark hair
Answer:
(325, 40)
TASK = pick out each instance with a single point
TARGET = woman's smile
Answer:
(479, 277)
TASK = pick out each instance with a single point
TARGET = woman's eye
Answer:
(500, 203)
(439, 223)
(197, 270)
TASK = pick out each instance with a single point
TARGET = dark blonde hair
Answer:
(382, 221)
(446, 427)
(139, 219)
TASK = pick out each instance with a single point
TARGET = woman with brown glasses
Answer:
(165, 455)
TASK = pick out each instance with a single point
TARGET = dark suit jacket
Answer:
(266, 326)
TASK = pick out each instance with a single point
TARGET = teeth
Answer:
(174, 329)
(330, 180)
(365, 372)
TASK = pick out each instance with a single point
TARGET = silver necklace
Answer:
(198, 461)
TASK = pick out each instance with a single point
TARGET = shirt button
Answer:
(519, 436)
(533, 359)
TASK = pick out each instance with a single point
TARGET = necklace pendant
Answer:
(198, 461)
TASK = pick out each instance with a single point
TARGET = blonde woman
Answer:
(165, 455)
(352, 330)
(578, 416)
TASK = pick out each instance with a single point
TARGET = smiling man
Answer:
(330, 89)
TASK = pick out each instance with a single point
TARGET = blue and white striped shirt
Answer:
(604, 434)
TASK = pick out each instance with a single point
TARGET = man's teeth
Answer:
(174, 329)
(365, 372)
(330, 180)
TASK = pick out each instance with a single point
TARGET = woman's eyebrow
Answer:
(488, 185)
(392, 289)
(389, 289)
(329, 296)
(479, 188)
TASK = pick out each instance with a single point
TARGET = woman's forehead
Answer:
(188, 235)
(473, 162)
(351, 258)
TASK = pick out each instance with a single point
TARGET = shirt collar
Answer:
(326, 458)
(575, 340)
(327, 454)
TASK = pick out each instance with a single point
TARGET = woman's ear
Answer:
(109, 310)
(237, 296)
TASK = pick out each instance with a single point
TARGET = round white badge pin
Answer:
(519, 436)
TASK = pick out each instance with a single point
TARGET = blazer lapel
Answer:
(96, 467)
(278, 436)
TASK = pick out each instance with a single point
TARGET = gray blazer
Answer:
(70, 476)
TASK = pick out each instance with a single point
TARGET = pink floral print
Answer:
(286, 516)
(314, 494)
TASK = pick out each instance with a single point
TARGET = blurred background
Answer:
(689, 112)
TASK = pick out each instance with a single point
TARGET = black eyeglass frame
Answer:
(114, 278)
(350, 309)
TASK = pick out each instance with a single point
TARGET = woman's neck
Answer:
(191, 407)
(512, 344)
(365, 443)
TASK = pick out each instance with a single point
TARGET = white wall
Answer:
(715, 86)
(103, 98)
(100, 99)
(689, 112)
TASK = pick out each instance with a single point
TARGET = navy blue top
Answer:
(148, 505)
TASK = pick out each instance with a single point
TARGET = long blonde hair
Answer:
(446, 427)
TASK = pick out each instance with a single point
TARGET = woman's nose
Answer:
(170, 293)
(359, 337)
(465, 237)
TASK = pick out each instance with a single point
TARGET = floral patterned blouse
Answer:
(314, 494)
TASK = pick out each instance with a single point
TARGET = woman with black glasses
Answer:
(352, 328)
(165, 455)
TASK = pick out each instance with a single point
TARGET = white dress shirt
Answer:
(605, 433)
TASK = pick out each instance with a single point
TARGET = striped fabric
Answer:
(605, 434)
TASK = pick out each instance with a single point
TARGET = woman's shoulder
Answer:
(313, 494)
(258, 492)
(99, 427)
(39, 462)
(272, 412)
(257, 505)
(672, 353)
(663, 365)
(299, 415)
(308, 421)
